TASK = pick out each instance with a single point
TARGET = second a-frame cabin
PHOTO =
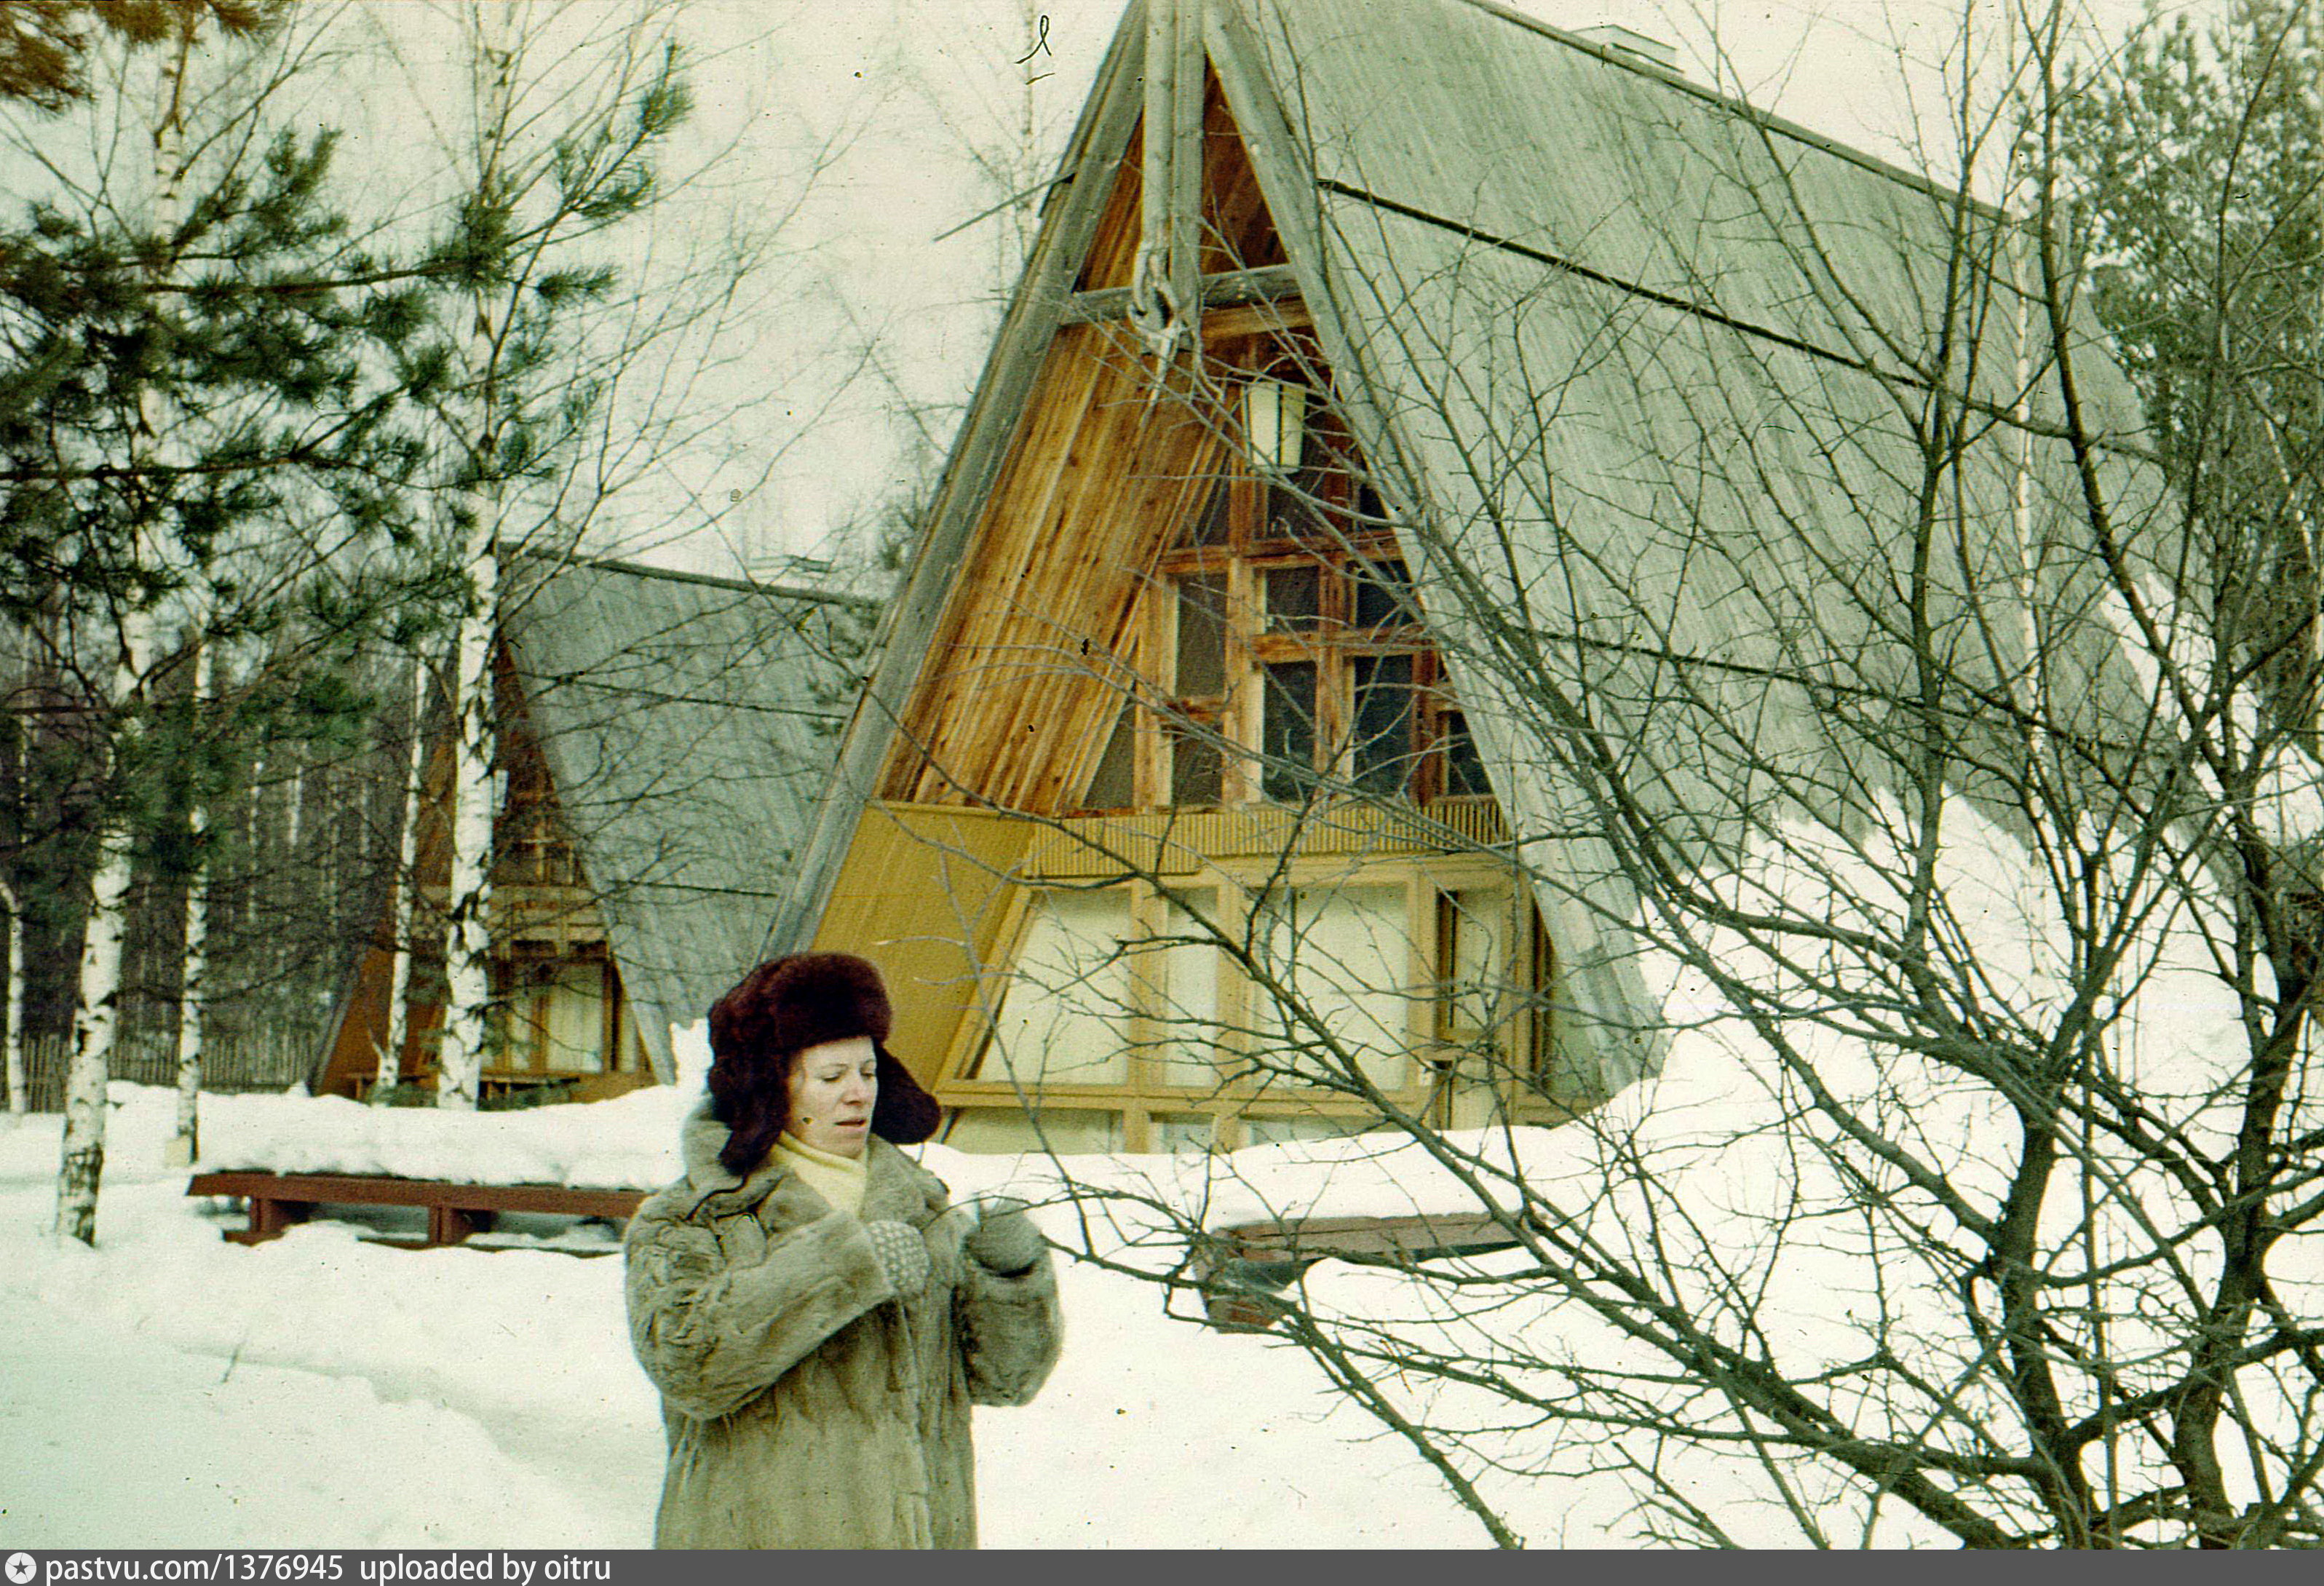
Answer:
(661, 740)
(1403, 398)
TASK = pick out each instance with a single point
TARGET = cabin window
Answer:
(1295, 598)
(1182, 989)
(1346, 953)
(1145, 1013)
(1465, 773)
(1294, 660)
(1114, 784)
(1382, 753)
(1477, 1000)
(549, 1017)
(1197, 765)
(1063, 1018)
(1383, 594)
(1215, 522)
(1287, 731)
(573, 1020)
(1194, 760)
(1201, 654)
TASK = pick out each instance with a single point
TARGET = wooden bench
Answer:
(455, 1211)
(1248, 1262)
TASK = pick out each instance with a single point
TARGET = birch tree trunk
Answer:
(20, 1092)
(403, 903)
(468, 965)
(185, 1144)
(468, 957)
(97, 1010)
(555, 155)
(291, 819)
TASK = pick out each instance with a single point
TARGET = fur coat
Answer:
(806, 1406)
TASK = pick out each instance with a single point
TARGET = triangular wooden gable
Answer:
(1473, 210)
(1028, 669)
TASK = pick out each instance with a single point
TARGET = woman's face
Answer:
(833, 1087)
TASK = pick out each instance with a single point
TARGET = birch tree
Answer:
(97, 1015)
(12, 1057)
(510, 406)
(583, 365)
(20, 1098)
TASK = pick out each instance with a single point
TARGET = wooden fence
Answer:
(264, 1060)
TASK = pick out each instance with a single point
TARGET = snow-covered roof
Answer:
(1649, 368)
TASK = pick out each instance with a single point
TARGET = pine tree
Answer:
(44, 43)
(195, 432)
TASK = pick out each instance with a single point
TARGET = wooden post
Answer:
(1165, 293)
(270, 1219)
(449, 1225)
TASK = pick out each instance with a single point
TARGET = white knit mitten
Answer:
(903, 1254)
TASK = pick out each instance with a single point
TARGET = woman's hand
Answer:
(903, 1254)
(1005, 1242)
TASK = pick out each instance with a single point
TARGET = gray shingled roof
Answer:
(688, 723)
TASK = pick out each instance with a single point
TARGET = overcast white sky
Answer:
(938, 73)
(904, 91)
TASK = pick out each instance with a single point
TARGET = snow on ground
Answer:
(157, 1388)
(109, 1436)
(170, 1388)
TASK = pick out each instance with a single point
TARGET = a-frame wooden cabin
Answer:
(662, 740)
(1353, 327)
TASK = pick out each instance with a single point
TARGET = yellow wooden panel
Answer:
(924, 894)
(362, 1025)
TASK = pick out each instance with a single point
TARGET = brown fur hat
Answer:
(778, 1009)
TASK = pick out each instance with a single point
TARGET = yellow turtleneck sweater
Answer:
(837, 1179)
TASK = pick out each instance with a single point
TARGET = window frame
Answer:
(1331, 641)
(1144, 1100)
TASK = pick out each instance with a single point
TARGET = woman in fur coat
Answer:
(818, 1320)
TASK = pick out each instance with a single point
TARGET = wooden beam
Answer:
(1185, 252)
(1257, 319)
(1225, 289)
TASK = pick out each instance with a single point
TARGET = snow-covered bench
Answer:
(1242, 1265)
(455, 1211)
